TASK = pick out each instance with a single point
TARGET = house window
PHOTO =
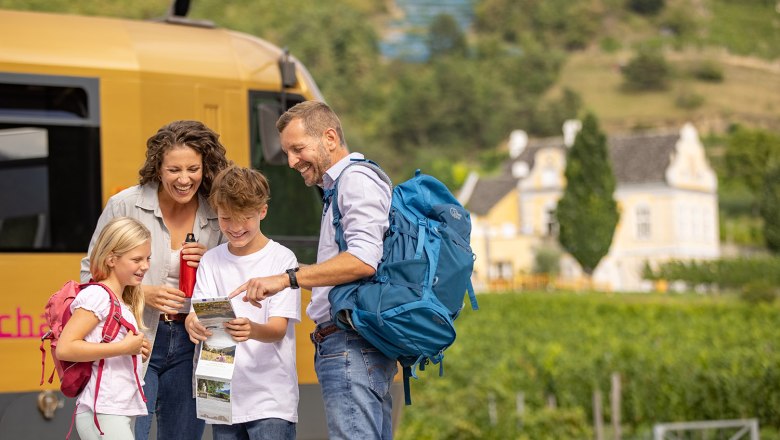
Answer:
(551, 222)
(643, 222)
(549, 174)
(501, 270)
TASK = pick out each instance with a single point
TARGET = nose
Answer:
(291, 160)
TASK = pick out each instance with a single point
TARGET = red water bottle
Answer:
(186, 273)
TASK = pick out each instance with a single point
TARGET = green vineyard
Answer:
(527, 365)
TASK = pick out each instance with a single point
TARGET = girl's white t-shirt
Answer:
(265, 378)
(119, 393)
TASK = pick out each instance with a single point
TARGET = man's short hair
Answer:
(239, 190)
(315, 116)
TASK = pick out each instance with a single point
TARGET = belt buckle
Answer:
(166, 318)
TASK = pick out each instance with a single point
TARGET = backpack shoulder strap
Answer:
(114, 320)
(331, 196)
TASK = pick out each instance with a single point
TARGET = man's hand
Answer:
(195, 329)
(258, 289)
(163, 298)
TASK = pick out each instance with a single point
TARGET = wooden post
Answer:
(492, 412)
(598, 417)
(520, 402)
(615, 400)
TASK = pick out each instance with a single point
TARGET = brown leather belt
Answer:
(320, 333)
(173, 317)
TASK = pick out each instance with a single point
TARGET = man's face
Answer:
(306, 154)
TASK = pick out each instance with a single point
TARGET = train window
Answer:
(49, 163)
(294, 210)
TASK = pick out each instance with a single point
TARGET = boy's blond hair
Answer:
(239, 190)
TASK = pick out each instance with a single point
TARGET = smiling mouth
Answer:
(182, 188)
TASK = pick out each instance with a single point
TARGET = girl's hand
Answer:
(133, 343)
(163, 298)
(192, 253)
(146, 350)
(240, 329)
(195, 329)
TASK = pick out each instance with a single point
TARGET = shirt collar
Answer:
(336, 169)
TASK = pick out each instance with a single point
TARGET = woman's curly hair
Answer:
(193, 134)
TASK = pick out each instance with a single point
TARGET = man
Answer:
(355, 377)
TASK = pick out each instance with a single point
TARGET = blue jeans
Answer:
(263, 429)
(355, 378)
(168, 387)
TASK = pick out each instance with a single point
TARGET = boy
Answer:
(264, 391)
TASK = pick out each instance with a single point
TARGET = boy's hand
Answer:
(240, 329)
(195, 329)
(133, 343)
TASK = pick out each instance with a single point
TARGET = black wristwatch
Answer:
(293, 278)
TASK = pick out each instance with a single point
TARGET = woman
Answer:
(182, 159)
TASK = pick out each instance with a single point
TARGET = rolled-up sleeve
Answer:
(364, 202)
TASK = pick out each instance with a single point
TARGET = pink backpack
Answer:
(74, 376)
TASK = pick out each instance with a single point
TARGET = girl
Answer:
(119, 260)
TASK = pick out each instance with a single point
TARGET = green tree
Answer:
(648, 70)
(749, 153)
(587, 213)
(770, 208)
(445, 37)
(646, 7)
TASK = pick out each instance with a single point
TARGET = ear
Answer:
(263, 212)
(111, 261)
(331, 139)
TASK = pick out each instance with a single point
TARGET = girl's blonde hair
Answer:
(120, 235)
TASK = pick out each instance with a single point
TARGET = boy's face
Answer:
(242, 230)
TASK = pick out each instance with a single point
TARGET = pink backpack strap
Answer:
(97, 391)
(72, 420)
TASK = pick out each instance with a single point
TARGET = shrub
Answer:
(646, 7)
(709, 71)
(759, 291)
(689, 100)
(648, 70)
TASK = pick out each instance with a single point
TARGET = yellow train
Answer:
(79, 96)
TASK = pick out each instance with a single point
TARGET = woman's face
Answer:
(181, 172)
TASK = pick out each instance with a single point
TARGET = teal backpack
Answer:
(406, 310)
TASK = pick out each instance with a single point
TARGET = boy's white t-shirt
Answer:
(265, 379)
(119, 393)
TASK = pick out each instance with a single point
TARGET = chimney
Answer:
(518, 140)
(570, 129)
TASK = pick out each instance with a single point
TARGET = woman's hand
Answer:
(133, 343)
(163, 298)
(192, 252)
(240, 329)
(195, 329)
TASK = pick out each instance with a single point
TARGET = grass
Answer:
(749, 93)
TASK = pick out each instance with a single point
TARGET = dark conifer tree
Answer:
(587, 213)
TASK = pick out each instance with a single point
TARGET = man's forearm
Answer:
(343, 268)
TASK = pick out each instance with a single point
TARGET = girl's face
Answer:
(129, 268)
(181, 172)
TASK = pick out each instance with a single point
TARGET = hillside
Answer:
(749, 93)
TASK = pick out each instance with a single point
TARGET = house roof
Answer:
(488, 192)
(641, 158)
(636, 158)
